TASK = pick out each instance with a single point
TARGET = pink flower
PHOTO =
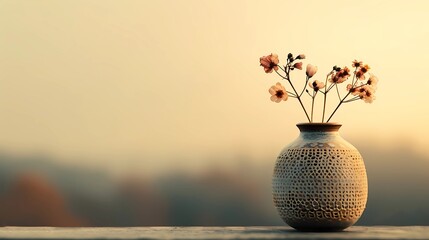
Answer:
(311, 70)
(366, 93)
(364, 68)
(360, 75)
(353, 90)
(372, 81)
(278, 93)
(316, 85)
(269, 62)
(340, 76)
(356, 63)
(298, 65)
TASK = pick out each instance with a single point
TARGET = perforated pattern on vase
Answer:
(312, 184)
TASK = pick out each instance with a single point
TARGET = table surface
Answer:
(355, 232)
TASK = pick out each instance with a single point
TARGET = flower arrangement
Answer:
(357, 89)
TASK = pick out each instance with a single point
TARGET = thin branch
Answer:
(312, 104)
(354, 76)
(341, 102)
(324, 97)
(291, 93)
(305, 85)
(338, 92)
(280, 74)
(297, 96)
(281, 68)
(352, 99)
(330, 87)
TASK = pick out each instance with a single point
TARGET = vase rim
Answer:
(319, 127)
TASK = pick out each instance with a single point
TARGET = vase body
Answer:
(319, 180)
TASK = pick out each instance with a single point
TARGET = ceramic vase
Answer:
(319, 180)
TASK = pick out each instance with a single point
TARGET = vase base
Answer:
(320, 226)
(320, 229)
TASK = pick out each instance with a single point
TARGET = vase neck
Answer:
(319, 127)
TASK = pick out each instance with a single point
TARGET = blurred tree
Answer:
(33, 201)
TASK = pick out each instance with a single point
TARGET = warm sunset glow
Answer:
(155, 79)
(135, 113)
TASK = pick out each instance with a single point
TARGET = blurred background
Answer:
(143, 113)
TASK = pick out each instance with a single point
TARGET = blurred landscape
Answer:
(37, 191)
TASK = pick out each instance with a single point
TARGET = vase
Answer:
(319, 180)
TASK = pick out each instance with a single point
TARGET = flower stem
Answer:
(297, 96)
(291, 94)
(287, 70)
(302, 105)
(280, 74)
(339, 104)
(344, 98)
(324, 97)
(312, 106)
(338, 92)
(353, 99)
(305, 85)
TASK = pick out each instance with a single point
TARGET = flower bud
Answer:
(311, 70)
(300, 56)
(298, 65)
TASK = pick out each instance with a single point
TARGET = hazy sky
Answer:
(155, 79)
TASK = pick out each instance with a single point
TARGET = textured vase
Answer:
(319, 180)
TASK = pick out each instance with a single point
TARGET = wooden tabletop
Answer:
(356, 232)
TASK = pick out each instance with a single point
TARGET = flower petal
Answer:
(285, 97)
